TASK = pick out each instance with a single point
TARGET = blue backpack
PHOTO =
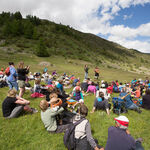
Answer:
(69, 136)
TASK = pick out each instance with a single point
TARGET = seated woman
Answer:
(146, 100)
(83, 135)
(101, 103)
(13, 105)
(92, 88)
(48, 115)
(119, 137)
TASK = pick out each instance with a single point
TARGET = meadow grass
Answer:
(28, 133)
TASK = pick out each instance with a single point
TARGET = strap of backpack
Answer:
(78, 122)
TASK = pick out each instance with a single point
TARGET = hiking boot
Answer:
(34, 110)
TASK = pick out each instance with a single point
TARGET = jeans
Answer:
(86, 75)
(133, 107)
(12, 84)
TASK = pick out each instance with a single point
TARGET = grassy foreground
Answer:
(27, 132)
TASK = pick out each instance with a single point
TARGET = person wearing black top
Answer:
(146, 100)
(22, 77)
(13, 105)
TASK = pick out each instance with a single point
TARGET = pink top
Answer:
(92, 89)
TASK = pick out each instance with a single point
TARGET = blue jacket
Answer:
(128, 99)
(13, 74)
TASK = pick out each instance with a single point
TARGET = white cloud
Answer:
(125, 17)
(84, 15)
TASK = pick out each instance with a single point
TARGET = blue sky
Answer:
(136, 15)
(126, 22)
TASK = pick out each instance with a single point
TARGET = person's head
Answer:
(77, 88)
(103, 85)
(12, 93)
(2, 69)
(43, 105)
(92, 83)
(101, 94)
(50, 89)
(124, 89)
(148, 92)
(37, 81)
(83, 110)
(53, 95)
(21, 65)
(122, 122)
(11, 63)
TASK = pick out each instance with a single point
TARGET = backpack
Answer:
(69, 136)
(7, 71)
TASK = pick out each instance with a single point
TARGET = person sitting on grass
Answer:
(101, 103)
(83, 135)
(49, 111)
(146, 100)
(128, 101)
(14, 105)
(119, 137)
(92, 88)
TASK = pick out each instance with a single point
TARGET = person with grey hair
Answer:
(119, 137)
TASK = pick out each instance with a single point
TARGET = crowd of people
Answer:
(59, 109)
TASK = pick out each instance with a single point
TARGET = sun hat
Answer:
(123, 121)
(103, 85)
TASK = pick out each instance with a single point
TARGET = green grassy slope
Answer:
(27, 131)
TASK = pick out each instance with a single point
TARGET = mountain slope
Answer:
(36, 36)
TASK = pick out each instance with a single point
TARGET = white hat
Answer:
(103, 85)
(123, 121)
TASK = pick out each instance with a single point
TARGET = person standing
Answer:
(22, 72)
(86, 69)
(12, 77)
(96, 70)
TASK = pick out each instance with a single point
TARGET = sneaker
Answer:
(34, 110)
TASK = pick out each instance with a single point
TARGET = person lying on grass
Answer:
(83, 135)
(119, 137)
(14, 105)
(49, 111)
(101, 103)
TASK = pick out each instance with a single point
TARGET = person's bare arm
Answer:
(22, 101)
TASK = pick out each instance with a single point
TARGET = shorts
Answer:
(21, 83)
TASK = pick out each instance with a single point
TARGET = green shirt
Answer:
(49, 119)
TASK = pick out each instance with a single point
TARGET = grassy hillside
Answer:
(27, 131)
(32, 35)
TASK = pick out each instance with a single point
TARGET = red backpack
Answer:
(7, 71)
